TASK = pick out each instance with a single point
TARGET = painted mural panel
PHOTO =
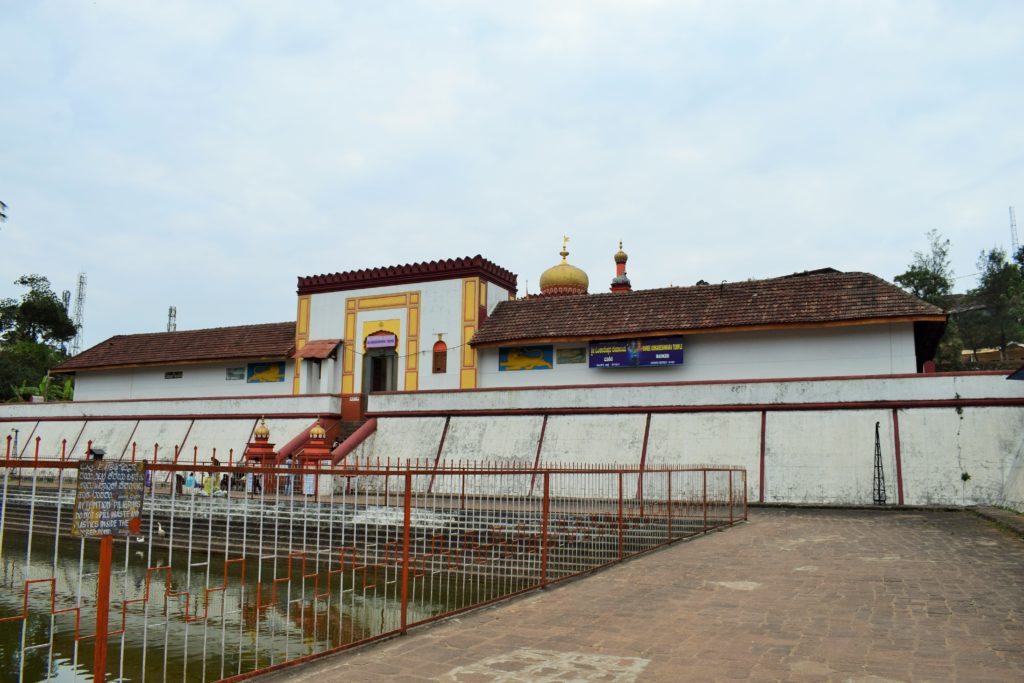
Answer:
(515, 358)
(264, 372)
(571, 356)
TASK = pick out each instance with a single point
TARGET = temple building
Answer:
(457, 324)
(793, 377)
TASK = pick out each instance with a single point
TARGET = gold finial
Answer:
(262, 431)
(620, 245)
(317, 432)
(565, 247)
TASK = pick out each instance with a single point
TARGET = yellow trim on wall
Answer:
(301, 337)
(394, 326)
(471, 290)
(410, 301)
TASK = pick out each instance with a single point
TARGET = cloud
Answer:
(206, 155)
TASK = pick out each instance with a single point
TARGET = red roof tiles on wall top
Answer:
(815, 297)
(427, 271)
(267, 340)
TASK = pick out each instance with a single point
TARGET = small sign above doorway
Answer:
(381, 340)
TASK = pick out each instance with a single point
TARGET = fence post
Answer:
(744, 495)
(99, 666)
(405, 549)
(545, 515)
(730, 497)
(705, 500)
(620, 517)
(668, 474)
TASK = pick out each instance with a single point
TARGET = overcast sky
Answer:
(206, 154)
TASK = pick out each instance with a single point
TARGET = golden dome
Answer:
(620, 256)
(317, 432)
(564, 278)
(262, 431)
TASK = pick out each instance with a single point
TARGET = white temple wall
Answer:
(197, 380)
(940, 445)
(834, 351)
(816, 450)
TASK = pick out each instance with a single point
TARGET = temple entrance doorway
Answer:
(380, 370)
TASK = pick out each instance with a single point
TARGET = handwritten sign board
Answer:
(109, 499)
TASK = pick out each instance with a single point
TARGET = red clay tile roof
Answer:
(318, 348)
(269, 340)
(814, 298)
(428, 271)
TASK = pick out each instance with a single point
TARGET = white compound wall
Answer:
(819, 435)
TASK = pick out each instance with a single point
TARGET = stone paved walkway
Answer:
(857, 596)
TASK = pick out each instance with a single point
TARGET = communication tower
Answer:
(1013, 231)
(76, 343)
(172, 319)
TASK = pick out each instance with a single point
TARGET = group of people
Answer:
(216, 484)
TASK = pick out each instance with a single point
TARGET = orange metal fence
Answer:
(265, 567)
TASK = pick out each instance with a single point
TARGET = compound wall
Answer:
(943, 439)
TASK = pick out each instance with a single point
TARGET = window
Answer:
(172, 374)
(440, 358)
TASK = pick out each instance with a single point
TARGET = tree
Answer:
(32, 331)
(930, 276)
(999, 298)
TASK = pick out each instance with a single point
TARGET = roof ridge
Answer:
(407, 272)
(198, 329)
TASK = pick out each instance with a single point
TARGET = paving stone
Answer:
(858, 596)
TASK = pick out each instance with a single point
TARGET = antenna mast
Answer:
(76, 343)
(172, 319)
(1013, 232)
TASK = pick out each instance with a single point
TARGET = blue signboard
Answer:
(636, 353)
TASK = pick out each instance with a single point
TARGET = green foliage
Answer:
(39, 316)
(32, 330)
(999, 302)
(930, 276)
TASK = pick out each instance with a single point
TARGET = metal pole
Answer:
(730, 497)
(705, 497)
(99, 667)
(744, 495)
(669, 475)
(405, 549)
(544, 530)
(620, 516)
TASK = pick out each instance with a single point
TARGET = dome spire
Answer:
(564, 278)
(621, 283)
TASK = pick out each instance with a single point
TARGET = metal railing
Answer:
(288, 564)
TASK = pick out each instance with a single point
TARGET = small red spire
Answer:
(620, 283)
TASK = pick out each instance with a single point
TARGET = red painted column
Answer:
(669, 476)
(705, 499)
(643, 463)
(620, 517)
(764, 422)
(899, 462)
(99, 666)
(545, 516)
(536, 458)
(405, 549)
